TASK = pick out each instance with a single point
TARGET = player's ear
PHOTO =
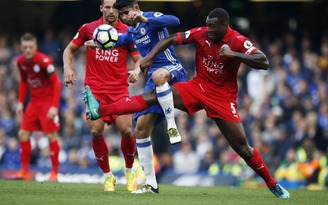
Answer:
(101, 8)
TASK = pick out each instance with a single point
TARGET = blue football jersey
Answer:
(146, 35)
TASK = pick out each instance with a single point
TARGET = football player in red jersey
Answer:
(38, 75)
(107, 75)
(219, 52)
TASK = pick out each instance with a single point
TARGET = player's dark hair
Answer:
(28, 37)
(221, 14)
(119, 4)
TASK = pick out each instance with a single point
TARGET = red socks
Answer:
(128, 147)
(25, 155)
(100, 148)
(123, 106)
(26, 150)
(257, 164)
(54, 153)
(101, 151)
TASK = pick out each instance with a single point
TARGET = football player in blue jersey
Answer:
(145, 31)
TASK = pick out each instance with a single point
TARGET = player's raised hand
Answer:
(69, 76)
(145, 65)
(137, 16)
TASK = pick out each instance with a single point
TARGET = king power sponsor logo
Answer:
(212, 66)
(107, 55)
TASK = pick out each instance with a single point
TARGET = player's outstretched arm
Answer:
(146, 62)
(163, 20)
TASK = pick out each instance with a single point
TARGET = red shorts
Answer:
(35, 117)
(195, 98)
(106, 98)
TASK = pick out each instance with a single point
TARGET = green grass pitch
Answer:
(48, 193)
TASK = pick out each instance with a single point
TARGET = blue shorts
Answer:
(178, 74)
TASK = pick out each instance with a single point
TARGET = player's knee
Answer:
(23, 135)
(96, 134)
(140, 133)
(127, 132)
(160, 76)
(137, 132)
(52, 136)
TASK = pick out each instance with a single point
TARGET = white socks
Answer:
(165, 99)
(145, 155)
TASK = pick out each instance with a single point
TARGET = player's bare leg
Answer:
(161, 77)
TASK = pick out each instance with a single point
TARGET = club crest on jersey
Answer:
(142, 31)
(36, 68)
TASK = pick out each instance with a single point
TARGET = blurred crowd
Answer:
(284, 111)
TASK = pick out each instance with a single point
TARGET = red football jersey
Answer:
(219, 75)
(106, 70)
(36, 74)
